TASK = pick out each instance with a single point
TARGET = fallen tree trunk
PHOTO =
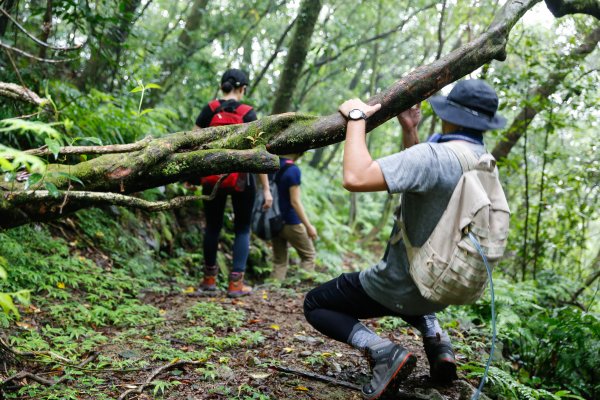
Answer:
(249, 147)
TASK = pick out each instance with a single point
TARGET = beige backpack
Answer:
(448, 269)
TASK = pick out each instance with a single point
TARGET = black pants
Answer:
(335, 307)
(214, 211)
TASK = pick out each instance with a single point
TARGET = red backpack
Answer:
(235, 180)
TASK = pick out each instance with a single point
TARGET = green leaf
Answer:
(53, 146)
(33, 179)
(7, 305)
(36, 127)
(137, 89)
(3, 273)
(70, 177)
(153, 86)
(51, 187)
(23, 297)
(92, 139)
(146, 111)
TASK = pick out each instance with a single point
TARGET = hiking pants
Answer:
(335, 307)
(214, 211)
(296, 236)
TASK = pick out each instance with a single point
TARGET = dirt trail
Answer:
(290, 342)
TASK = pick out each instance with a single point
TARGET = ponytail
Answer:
(227, 87)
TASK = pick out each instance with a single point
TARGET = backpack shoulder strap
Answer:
(465, 155)
(243, 109)
(214, 105)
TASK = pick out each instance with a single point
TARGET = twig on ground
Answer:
(317, 377)
(44, 381)
(154, 374)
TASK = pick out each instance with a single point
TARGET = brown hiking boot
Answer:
(237, 287)
(209, 282)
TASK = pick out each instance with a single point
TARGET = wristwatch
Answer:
(356, 114)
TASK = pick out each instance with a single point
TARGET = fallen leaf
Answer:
(302, 388)
(264, 295)
(275, 326)
(259, 375)
(60, 285)
(25, 325)
(162, 312)
(254, 321)
(288, 349)
(32, 309)
(189, 289)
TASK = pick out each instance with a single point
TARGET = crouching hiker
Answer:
(426, 175)
(297, 229)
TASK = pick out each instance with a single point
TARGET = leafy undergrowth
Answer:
(111, 304)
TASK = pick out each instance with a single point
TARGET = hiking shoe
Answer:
(209, 282)
(390, 364)
(237, 287)
(442, 364)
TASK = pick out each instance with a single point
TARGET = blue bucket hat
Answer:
(471, 104)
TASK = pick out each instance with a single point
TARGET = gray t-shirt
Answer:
(426, 175)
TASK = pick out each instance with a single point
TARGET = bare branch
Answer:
(26, 54)
(36, 40)
(16, 92)
(382, 35)
(108, 149)
(273, 56)
(560, 8)
(100, 198)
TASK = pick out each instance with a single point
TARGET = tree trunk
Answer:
(102, 61)
(4, 21)
(307, 18)
(541, 204)
(46, 28)
(524, 118)
(185, 155)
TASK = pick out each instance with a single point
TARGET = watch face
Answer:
(356, 114)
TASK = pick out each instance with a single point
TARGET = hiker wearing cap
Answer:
(241, 187)
(426, 174)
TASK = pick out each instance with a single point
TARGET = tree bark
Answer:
(46, 28)
(524, 118)
(305, 24)
(185, 155)
(560, 8)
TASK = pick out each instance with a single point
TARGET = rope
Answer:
(489, 361)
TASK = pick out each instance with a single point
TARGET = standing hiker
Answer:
(426, 175)
(241, 187)
(297, 229)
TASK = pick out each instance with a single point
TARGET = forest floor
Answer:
(110, 320)
(239, 348)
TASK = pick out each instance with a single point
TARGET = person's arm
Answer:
(203, 120)
(295, 199)
(264, 183)
(409, 120)
(361, 172)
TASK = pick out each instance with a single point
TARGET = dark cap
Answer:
(471, 104)
(236, 77)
